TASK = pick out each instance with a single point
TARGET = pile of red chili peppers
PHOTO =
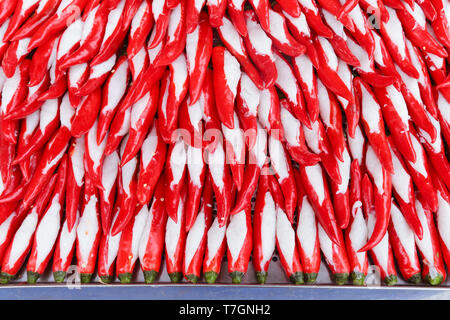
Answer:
(136, 129)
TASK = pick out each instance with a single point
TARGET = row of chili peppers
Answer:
(135, 166)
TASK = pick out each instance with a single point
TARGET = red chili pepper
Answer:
(86, 114)
(23, 10)
(381, 254)
(14, 89)
(420, 173)
(441, 23)
(334, 7)
(382, 57)
(313, 17)
(226, 78)
(216, 11)
(235, 44)
(65, 14)
(442, 217)
(8, 203)
(76, 77)
(236, 12)
(27, 129)
(3, 44)
(7, 8)
(269, 112)
(153, 155)
(264, 220)
(259, 47)
(65, 245)
(401, 238)
(306, 235)
(193, 12)
(318, 142)
(161, 16)
(196, 236)
(108, 189)
(21, 242)
(58, 86)
(98, 74)
(235, 151)
(48, 228)
(139, 63)
(41, 62)
(433, 270)
(141, 26)
(403, 189)
(118, 129)
(444, 119)
(196, 178)
(151, 245)
(247, 101)
(14, 55)
(436, 66)
(75, 180)
(198, 53)
(363, 33)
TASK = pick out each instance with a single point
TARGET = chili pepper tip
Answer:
(32, 277)
(262, 277)
(192, 278)
(236, 277)
(211, 276)
(297, 278)
(59, 276)
(391, 280)
(175, 277)
(150, 276)
(415, 279)
(310, 278)
(125, 277)
(358, 278)
(340, 278)
(434, 281)
(85, 277)
(106, 279)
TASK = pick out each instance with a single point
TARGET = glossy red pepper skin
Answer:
(199, 44)
(442, 216)
(216, 245)
(18, 84)
(107, 189)
(141, 26)
(86, 114)
(200, 226)
(7, 9)
(235, 151)
(316, 188)
(20, 15)
(404, 192)
(75, 180)
(441, 23)
(193, 13)
(7, 154)
(56, 23)
(56, 89)
(313, 17)
(151, 245)
(399, 235)
(40, 62)
(216, 12)
(14, 55)
(9, 200)
(362, 34)
(236, 13)
(161, 16)
(196, 180)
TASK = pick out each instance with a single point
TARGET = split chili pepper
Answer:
(216, 12)
(199, 44)
(68, 43)
(236, 12)
(196, 179)
(239, 244)
(282, 165)
(373, 123)
(235, 151)
(381, 254)
(75, 180)
(193, 13)
(318, 142)
(112, 93)
(401, 238)
(97, 76)
(196, 238)
(108, 189)
(175, 37)
(160, 13)
(287, 248)
(108, 249)
(115, 33)
(381, 56)
(287, 83)
(436, 66)
(86, 114)
(442, 217)
(261, 9)
(151, 245)
(316, 188)
(392, 33)
(141, 26)
(129, 244)
(414, 25)
(295, 138)
(153, 155)
(395, 113)
(335, 256)
(48, 228)
(282, 39)
(226, 71)
(362, 34)
(215, 249)
(57, 22)
(420, 173)
(21, 13)
(264, 221)
(269, 112)
(139, 63)
(15, 90)
(403, 189)
(328, 69)
(314, 19)
(433, 270)
(21, 242)
(88, 232)
(65, 245)
(77, 76)
(14, 55)
(142, 114)
(259, 47)
(247, 101)
(256, 159)
(91, 38)
(221, 178)
(27, 129)
(235, 44)
(175, 240)
(48, 124)
(356, 233)
(307, 79)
